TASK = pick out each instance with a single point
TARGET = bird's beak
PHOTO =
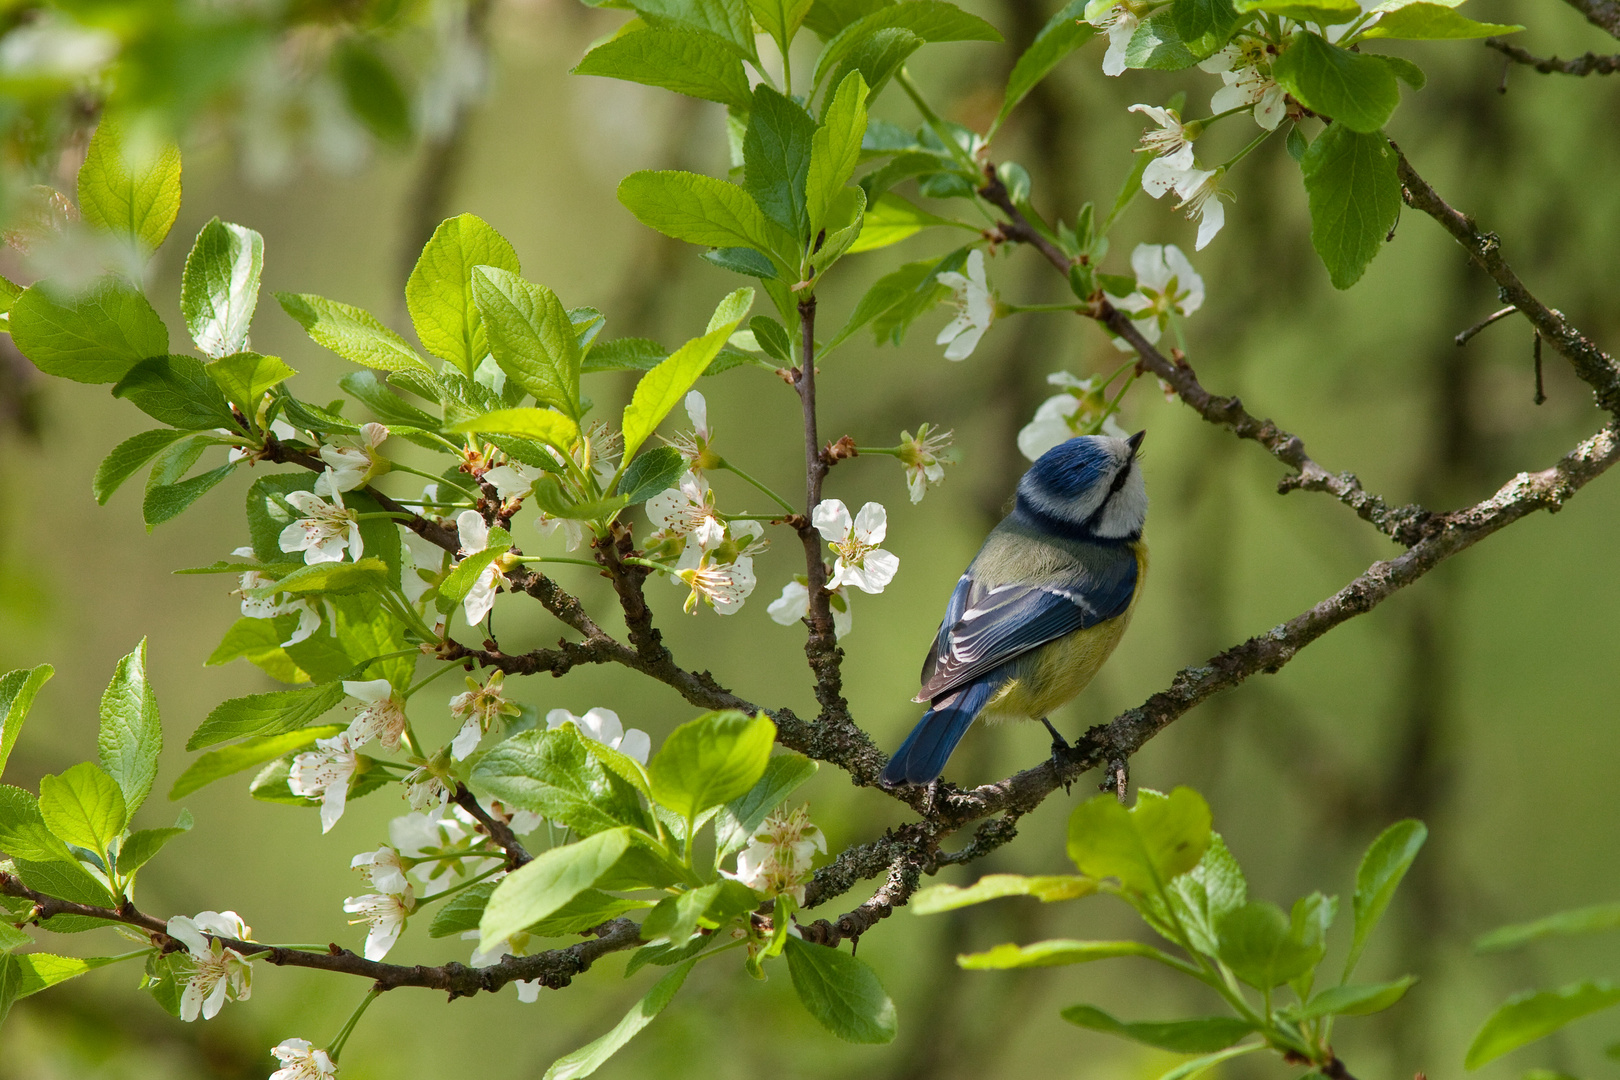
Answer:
(1135, 441)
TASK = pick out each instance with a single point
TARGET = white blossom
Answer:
(1200, 198)
(258, 607)
(686, 510)
(794, 604)
(477, 709)
(975, 308)
(382, 869)
(220, 974)
(861, 562)
(474, 533)
(1172, 148)
(694, 446)
(441, 843)
(324, 773)
(385, 914)
(603, 726)
(513, 480)
(724, 586)
(425, 789)
(778, 858)
(1246, 71)
(1063, 416)
(325, 530)
(300, 1060)
(350, 467)
(1166, 284)
(925, 458)
(382, 716)
(1119, 22)
(573, 532)
(422, 569)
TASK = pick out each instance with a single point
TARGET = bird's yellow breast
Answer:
(1054, 674)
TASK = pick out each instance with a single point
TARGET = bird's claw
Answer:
(1060, 747)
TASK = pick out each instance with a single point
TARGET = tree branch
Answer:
(1595, 367)
(1604, 14)
(1590, 64)
(1404, 524)
(554, 968)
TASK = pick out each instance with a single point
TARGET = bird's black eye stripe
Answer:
(1119, 481)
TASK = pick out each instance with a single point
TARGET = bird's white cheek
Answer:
(1125, 513)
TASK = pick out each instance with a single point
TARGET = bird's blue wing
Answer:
(985, 627)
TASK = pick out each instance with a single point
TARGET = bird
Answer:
(1040, 607)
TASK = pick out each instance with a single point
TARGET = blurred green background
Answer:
(1481, 700)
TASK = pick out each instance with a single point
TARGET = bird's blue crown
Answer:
(1069, 484)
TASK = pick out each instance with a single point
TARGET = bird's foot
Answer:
(1060, 747)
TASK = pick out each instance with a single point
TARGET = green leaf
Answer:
(1587, 920)
(931, 20)
(17, 690)
(220, 288)
(878, 58)
(372, 90)
(462, 911)
(1063, 33)
(1296, 143)
(244, 377)
(460, 581)
(676, 917)
(353, 333)
(12, 938)
(177, 391)
(259, 642)
(698, 209)
(131, 733)
(590, 1057)
(552, 774)
(1199, 1036)
(66, 879)
(1406, 71)
(740, 818)
(1158, 47)
(828, 17)
(835, 149)
(538, 888)
(625, 354)
(841, 992)
(1355, 90)
(910, 282)
(1257, 943)
(10, 983)
(133, 196)
(41, 971)
(83, 807)
(92, 337)
(265, 714)
(744, 261)
(343, 578)
(139, 847)
(1198, 1066)
(531, 336)
(1158, 839)
(772, 336)
(1431, 22)
(439, 293)
(892, 219)
(1357, 999)
(229, 760)
(1204, 26)
(656, 470)
(1378, 876)
(1048, 888)
(1355, 198)
(1201, 898)
(164, 502)
(710, 761)
(1053, 954)
(780, 18)
(688, 63)
(373, 391)
(542, 425)
(1326, 12)
(776, 160)
(728, 20)
(662, 388)
(1524, 1018)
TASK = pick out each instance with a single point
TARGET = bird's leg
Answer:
(1060, 746)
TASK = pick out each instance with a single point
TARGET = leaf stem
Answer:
(934, 122)
(783, 503)
(337, 1043)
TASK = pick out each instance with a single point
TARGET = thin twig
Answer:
(1495, 316)
(1590, 64)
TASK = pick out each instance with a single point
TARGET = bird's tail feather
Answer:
(921, 758)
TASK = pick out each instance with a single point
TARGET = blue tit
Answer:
(1041, 606)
